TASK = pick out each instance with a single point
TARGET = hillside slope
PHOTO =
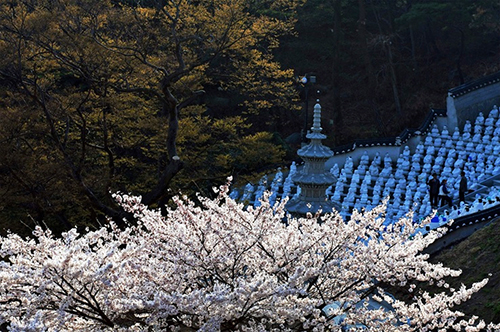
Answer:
(478, 257)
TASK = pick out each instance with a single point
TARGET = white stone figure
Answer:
(459, 163)
(456, 134)
(449, 144)
(377, 188)
(367, 180)
(426, 168)
(442, 151)
(491, 158)
(466, 136)
(469, 147)
(363, 198)
(335, 171)
(435, 131)
(376, 199)
(399, 174)
(287, 186)
(416, 158)
(386, 192)
(353, 187)
(377, 160)
(419, 150)
(478, 129)
(416, 167)
(361, 170)
(446, 172)
(460, 145)
(488, 131)
(402, 183)
(406, 152)
(431, 150)
(480, 119)
(355, 177)
(480, 167)
(349, 164)
(428, 141)
(400, 160)
(449, 161)
(438, 142)
(260, 191)
(386, 172)
(489, 121)
(417, 196)
(477, 138)
(339, 187)
(490, 169)
(477, 205)
(391, 182)
(412, 175)
(406, 165)
(412, 185)
(374, 171)
(234, 194)
(363, 189)
(439, 160)
(436, 168)
(422, 209)
(387, 159)
(467, 127)
(494, 112)
(349, 199)
(293, 168)
(428, 159)
(247, 194)
(452, 153)
(480, 158)
(397, 193)
(336, 196)
(343, 175)
(445, 135)
(358, 206)
(278, 178)
(365, 159)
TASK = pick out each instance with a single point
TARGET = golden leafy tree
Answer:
(95, 93)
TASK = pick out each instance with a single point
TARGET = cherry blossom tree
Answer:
(220, 266)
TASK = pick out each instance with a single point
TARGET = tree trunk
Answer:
(337, 107)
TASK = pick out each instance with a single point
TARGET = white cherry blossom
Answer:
(222, 266)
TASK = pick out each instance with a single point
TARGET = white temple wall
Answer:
(468, 105)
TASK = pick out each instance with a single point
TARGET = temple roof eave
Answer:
(315, 151)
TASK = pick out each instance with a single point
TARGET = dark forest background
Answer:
(382, 64)
(90, 105)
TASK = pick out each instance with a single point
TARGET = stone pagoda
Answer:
(313, 179)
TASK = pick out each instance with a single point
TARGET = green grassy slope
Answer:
(478, 257)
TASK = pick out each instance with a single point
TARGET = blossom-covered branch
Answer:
(222, 266)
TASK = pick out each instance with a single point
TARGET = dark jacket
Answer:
(434, 186)
(463, 184)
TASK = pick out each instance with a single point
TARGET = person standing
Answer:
(463, 187)
(444, 194)
(434, 190)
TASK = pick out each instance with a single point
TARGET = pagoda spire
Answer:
(313, 179)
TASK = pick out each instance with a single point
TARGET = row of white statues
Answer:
(365, 183)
